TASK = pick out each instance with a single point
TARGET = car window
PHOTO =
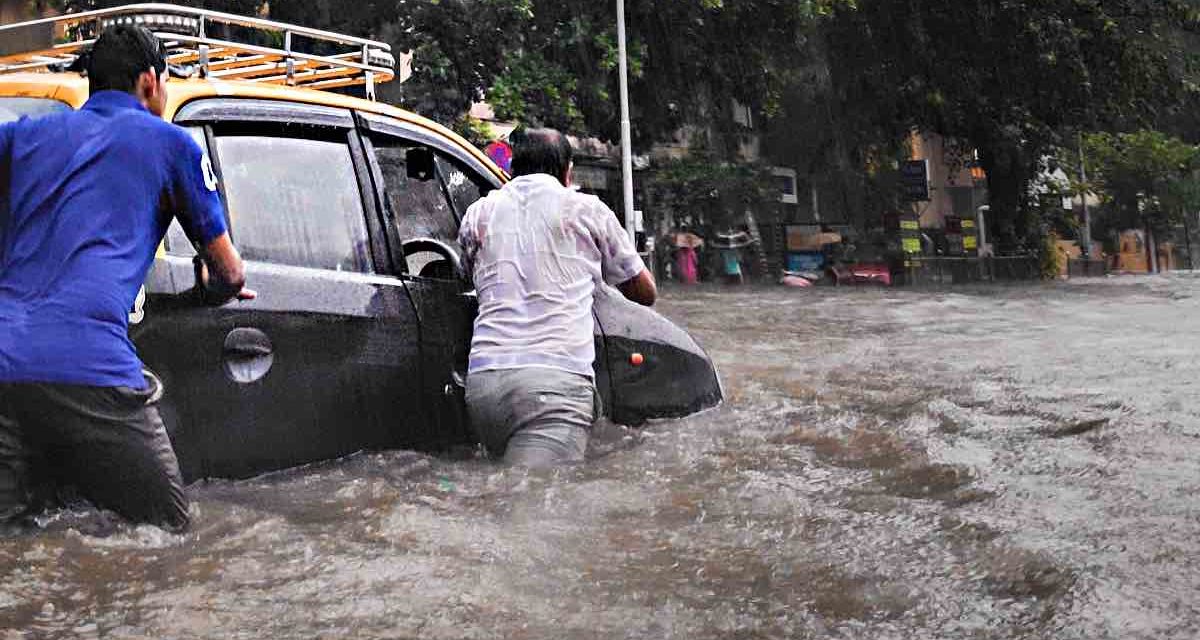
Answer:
(419, 207)
(14, 108)
(177, 243)
(464, 188)
(294, 201)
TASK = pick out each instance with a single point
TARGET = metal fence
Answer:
(944, 270)
(1081, 268)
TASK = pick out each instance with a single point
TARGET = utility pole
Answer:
(626, 139)
(1187, 238)
(1083, 196)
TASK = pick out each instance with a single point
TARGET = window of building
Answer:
(785, 181)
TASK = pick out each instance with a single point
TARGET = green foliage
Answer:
(459, 47)
(835, 85)
(688, 61)
(555, 63)
(708, 192)
(1144, 176)
(1013, 78)
(536, 92)
(476, 131)
(1050, 259)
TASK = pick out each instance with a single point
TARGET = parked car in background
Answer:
(868, 261)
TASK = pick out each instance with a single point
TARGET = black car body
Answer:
(346, 213)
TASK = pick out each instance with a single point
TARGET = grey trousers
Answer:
(108, 443)
(533, 416)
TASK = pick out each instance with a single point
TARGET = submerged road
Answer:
(994, 462)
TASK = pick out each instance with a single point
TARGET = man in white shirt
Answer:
(537, 250)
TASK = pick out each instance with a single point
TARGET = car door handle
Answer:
(248, 355)
(248, 350)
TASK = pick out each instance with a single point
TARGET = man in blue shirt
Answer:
(85, 198)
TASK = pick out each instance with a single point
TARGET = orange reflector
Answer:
(636, 359)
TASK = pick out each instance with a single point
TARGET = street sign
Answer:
(914, 177)
(501, 154)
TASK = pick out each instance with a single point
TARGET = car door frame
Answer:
(444, 394)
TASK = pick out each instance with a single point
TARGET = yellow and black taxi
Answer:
(346, 212)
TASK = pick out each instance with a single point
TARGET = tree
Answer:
(850, 157)
(1146, 178)
(689, 61)
(1012, 78)
(708, 192)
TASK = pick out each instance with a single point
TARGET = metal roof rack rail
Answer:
(247, 49)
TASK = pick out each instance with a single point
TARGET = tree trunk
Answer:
(1187, 239)
(1006, 181)
(1152, 247)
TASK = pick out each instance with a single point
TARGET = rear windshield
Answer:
(13, 108)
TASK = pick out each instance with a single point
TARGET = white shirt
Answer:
(537, 251)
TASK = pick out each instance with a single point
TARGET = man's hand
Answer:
(640, 288)
(220, 274)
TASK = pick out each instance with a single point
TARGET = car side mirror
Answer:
(419, 161)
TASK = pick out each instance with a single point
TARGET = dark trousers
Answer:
(108, 443)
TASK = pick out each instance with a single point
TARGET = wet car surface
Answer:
(997, 462)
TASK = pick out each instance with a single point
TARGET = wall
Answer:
(952, 189)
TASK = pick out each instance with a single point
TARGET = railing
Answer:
(1086, 268)
(251, 49)
(946, 270)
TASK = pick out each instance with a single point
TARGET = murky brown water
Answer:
(972, 463)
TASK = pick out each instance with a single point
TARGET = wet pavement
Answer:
(992, 462)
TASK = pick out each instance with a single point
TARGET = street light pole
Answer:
(626, 141)
(1083, 195)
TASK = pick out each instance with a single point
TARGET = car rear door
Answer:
(325, 361)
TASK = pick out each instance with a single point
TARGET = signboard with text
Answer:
(914, 178)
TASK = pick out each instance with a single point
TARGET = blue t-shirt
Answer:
(85, 198)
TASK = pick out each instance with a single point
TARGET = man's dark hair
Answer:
(121, 54)
(539, 151)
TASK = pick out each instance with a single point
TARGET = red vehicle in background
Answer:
(865, 263)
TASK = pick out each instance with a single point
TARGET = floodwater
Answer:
(992, 462)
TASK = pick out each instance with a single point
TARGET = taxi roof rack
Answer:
(248, 49)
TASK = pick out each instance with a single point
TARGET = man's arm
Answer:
(221, 274)
(640, 288)
(620, 263)
(468, 241)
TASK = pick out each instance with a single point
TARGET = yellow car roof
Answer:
(72, 89)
